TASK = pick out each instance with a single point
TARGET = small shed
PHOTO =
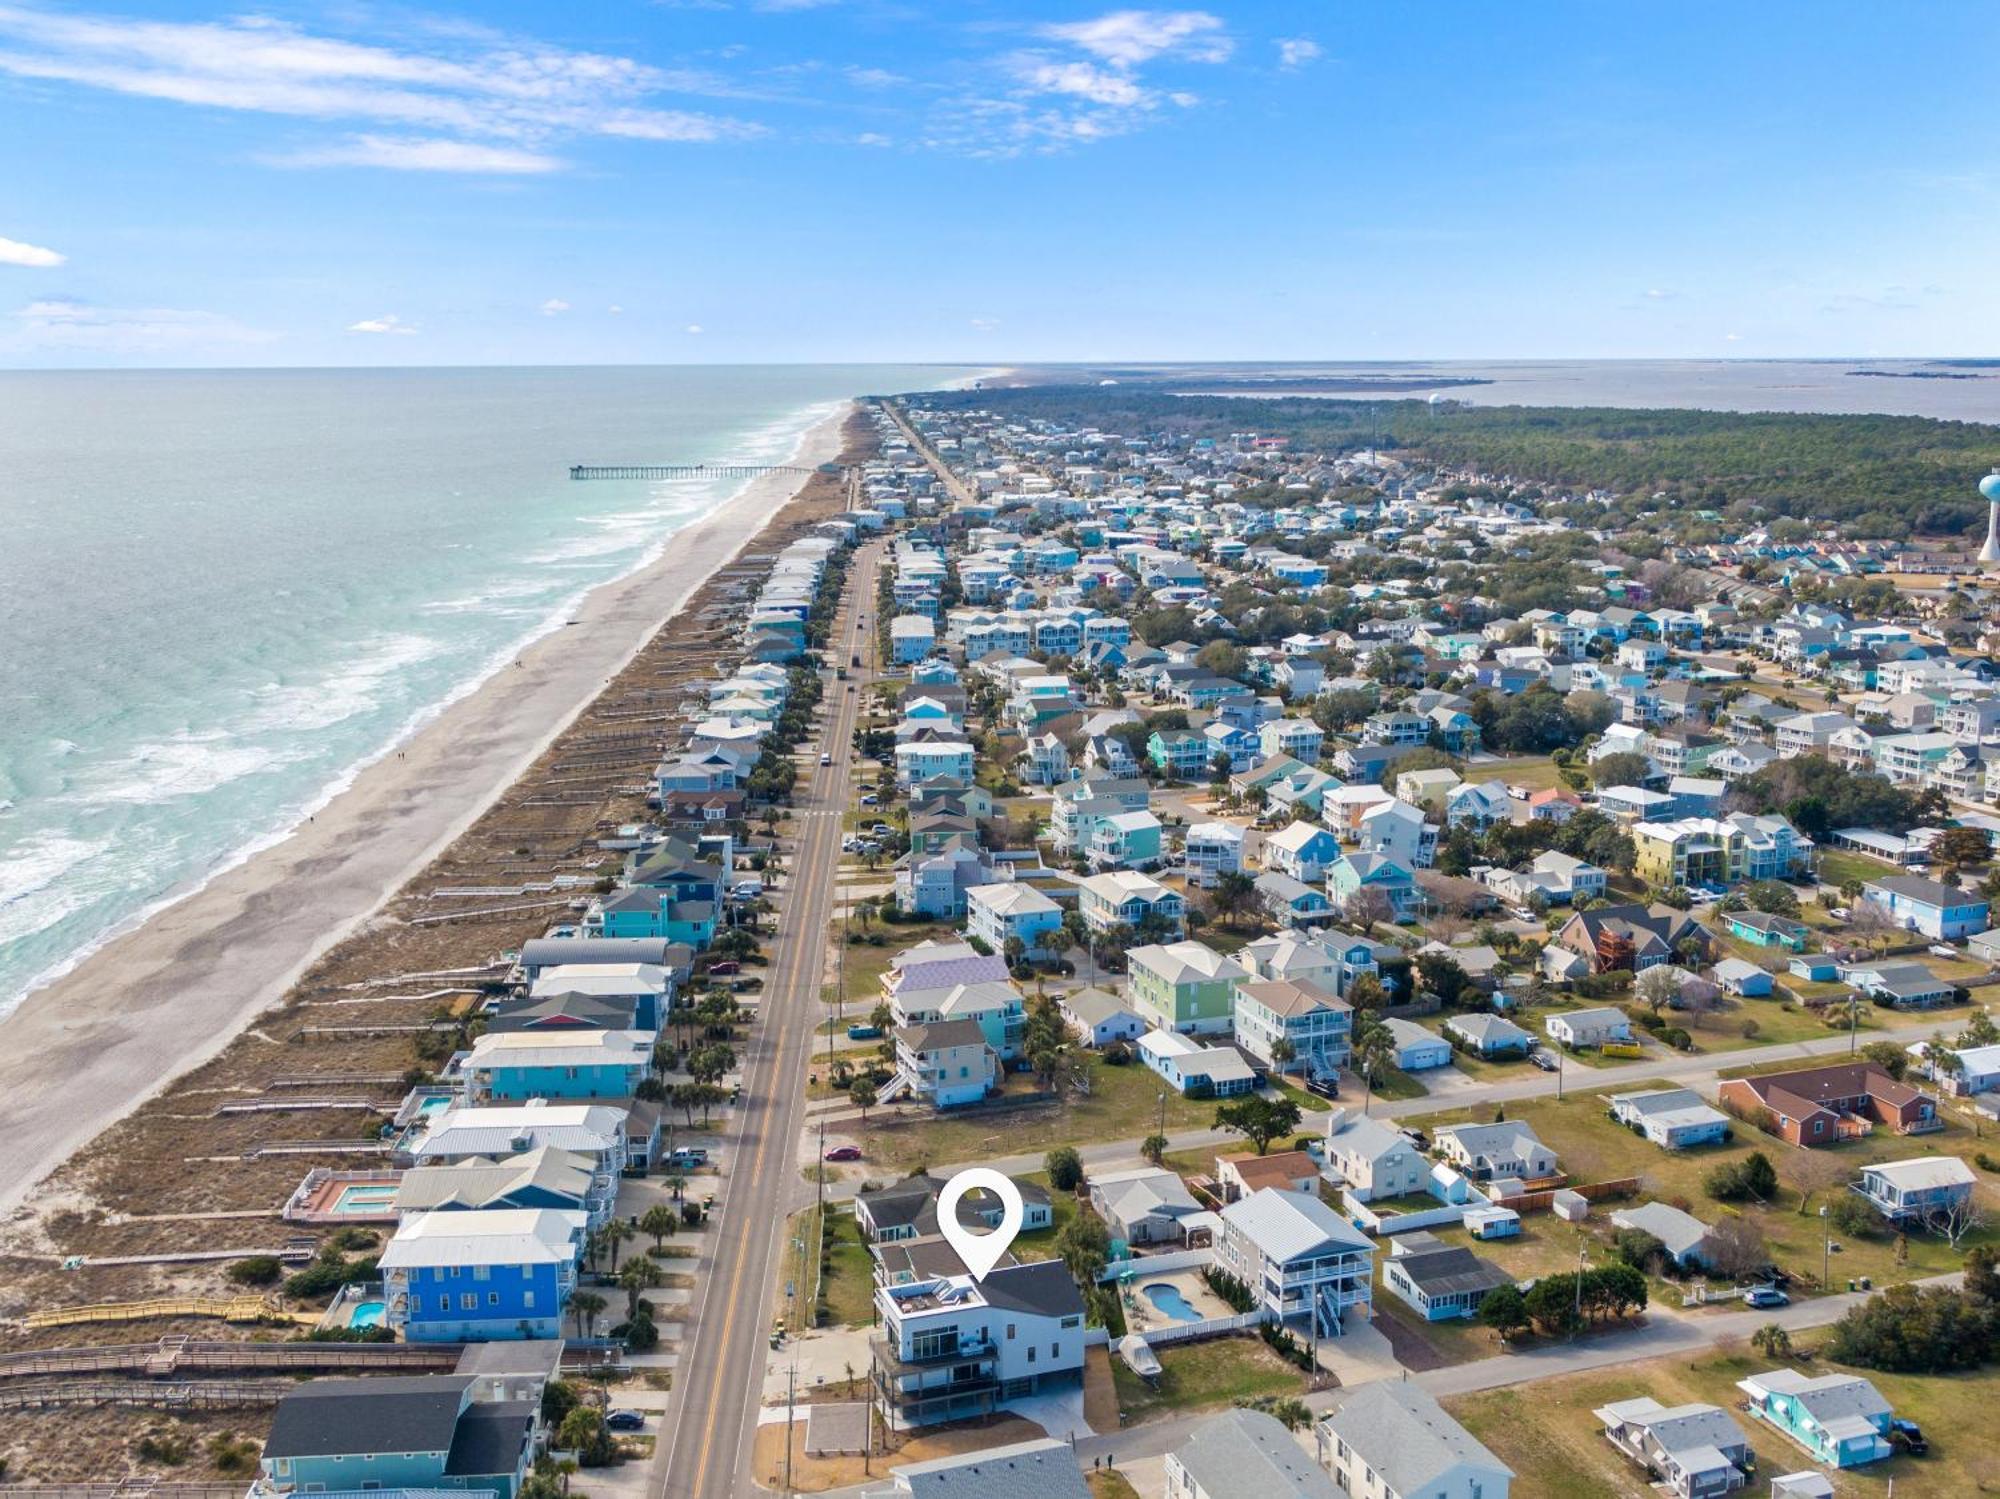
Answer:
(1493, 1222)
(1571, 1207)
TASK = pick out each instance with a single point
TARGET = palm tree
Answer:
(618, 1232)
(641, 1275)
(584, 1307)
(862, 1096)
(659, 1221)
(1234, 893)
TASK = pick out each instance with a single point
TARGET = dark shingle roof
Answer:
(347, 1417)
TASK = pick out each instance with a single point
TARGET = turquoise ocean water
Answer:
(222, 593)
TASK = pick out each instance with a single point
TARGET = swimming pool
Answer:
(1167, 1297)
(366, 1197)
(368, 1314)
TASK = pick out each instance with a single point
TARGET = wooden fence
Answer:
(1535, 1202)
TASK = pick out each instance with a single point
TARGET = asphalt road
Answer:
(704, 1450)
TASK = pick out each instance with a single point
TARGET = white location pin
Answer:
(981, 1252)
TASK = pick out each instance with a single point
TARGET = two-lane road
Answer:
(705, 1441)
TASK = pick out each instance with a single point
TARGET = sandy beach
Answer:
(91, 1047)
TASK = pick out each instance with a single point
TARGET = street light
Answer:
(1825, 1250)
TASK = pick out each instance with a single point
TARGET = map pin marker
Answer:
(981, 1252)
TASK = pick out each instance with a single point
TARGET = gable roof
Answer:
(1286, 1226)
(1249, 1452)
(1407, 1438)
(347, 1417)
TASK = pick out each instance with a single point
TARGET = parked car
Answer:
(844, 1153)
(1939, 950)
(1908, 1437)
(1761, 1296)
(1547, 1061)
(689, 1155)
(625, 1421)
(825, 758)
(869, 799)
(723, 969)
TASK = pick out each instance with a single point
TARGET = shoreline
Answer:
(88, 1048)
(417, 723)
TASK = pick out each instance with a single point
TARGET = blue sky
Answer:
(763, 180)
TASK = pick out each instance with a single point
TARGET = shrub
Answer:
(257, 1270)
(1065, 1168)
(1749, 1028)
(1852, 1216)
(1752, 1179)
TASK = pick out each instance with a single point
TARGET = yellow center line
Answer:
(809, 853)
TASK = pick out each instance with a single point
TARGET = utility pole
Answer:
(791, 1404)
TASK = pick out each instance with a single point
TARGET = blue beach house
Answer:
(482, 1276)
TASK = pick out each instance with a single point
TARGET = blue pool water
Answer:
(1169, 1300)
(364, 1199)
(368, 1314)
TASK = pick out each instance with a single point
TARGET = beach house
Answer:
(1672, 1118)
(1840, 1419)
(1241, 1452)
(1299, 1258)
(422, 1433)
(1696, 1451)
(483, 1275)
(1184, 986)
(1308, 1024)
(1392, 1437)
(958, 1348)
(515, 1066)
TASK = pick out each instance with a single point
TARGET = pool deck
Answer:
(318, 1197)
(1141, 1314)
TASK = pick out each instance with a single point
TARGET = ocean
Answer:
(223, 593)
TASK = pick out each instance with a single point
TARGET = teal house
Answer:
(1764, 929)
(515, 1066)
(648, 912)
(421, 1432)
(1841, 1419)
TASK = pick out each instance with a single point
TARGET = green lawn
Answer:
(860, 965)
(1041, 1244)
(1593, 1147)
(1196, 1376)
(1123, 1104)
(1838, 865)
(1544, 1431)
(848, 1283)
(1109, 1483)
(1536, 772)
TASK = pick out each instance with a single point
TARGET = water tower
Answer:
(1990, 488)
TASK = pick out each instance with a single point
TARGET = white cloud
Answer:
(554, 307)
(875, 78)
(14, 252)
(1660, 294)
(422, 154)
(388, 323)
(1128, 38)
(63, 324)
(696, 328)
(614, 309)
(985, 324)
(1297, 51)
(873, 138)
(466, 82)
(1731, 338)
(1087, 81)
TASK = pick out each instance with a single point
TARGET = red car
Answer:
(844, 1153)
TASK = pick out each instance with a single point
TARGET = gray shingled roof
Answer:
(1405, 1436)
